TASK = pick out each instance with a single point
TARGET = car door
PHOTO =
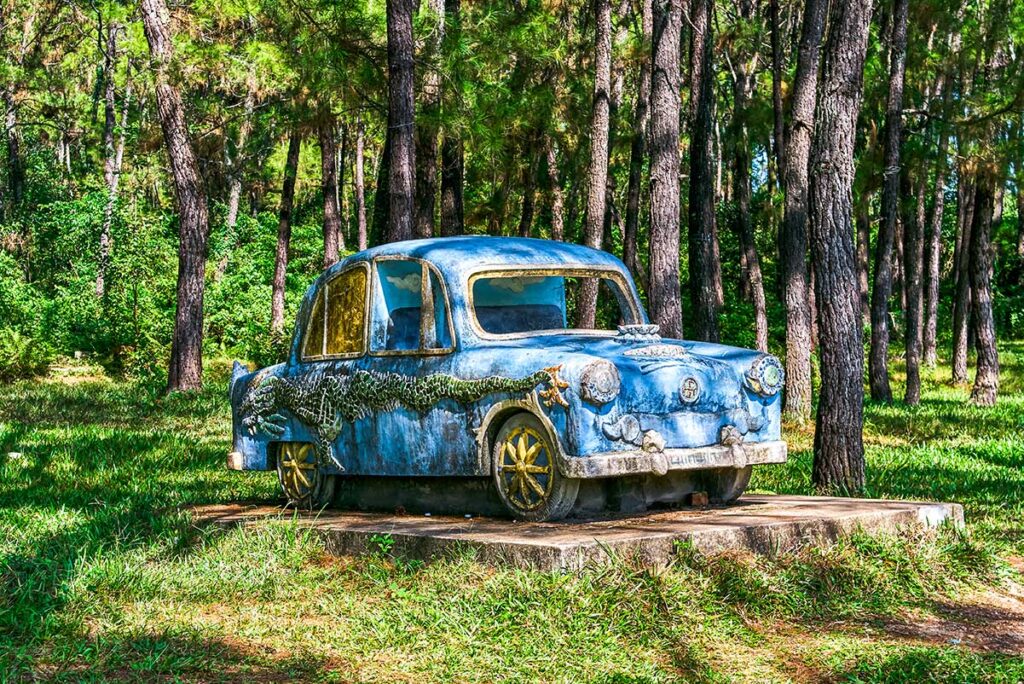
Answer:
(411, 336)
(334, 343)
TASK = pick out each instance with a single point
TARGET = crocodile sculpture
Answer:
(324, 403)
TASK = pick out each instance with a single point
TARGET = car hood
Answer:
(644, 359)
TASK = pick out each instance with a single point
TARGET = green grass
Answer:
(104, 578)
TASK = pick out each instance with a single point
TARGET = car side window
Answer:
(410, 309)
(337, 322)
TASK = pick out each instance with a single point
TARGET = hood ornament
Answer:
(639, 332)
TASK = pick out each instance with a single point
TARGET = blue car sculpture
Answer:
(458, 358)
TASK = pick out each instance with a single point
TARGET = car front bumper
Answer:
(639, 462)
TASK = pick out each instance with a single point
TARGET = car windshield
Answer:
(525, 301)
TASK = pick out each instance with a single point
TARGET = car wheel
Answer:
(725, 485)
(525, 472)
(304, 483)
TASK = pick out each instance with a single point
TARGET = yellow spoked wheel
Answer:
(526, 474)
(302, 480)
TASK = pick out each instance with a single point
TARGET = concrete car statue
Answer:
(456, 359)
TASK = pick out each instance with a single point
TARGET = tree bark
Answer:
(451, 146)
(340, 196)
(933, 249)
(15, 161)
(529, 189)
(382, 194)
(778, 118)
(663, 295)
(878, 366)
(426, 131)
(744, 85)
(451, 186)
(962, 281)
(838, 443)
(360, 186)
(598, 176)
(112, 158)
(703, 249)
(913, 262)
(235, 187)
(401, 112)
(863, 258)
(557, 208)
(329, 187)
(284, 234)
(186, 364)
(794, 223)
(986, 379)
(638, 144)
(1020, 212)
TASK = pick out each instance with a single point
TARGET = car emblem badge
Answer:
(689, 390)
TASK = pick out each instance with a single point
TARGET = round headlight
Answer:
(689, 390)
(599, 383)
(766, 376)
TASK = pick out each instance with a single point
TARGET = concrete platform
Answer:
(758, 524)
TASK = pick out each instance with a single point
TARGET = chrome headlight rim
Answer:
(600, 382)
(766, 377)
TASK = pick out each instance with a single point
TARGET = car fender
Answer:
(496, 416)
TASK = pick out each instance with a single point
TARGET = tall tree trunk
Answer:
(360, 186)
(838, 442)
(112, 160)
(962, 281)
(1020, 211)
(340, 196)
(529, 188)
(986, 379)
(329, 187)
(284, 234)
(701, 229)
(638, 145)
(235, 183)
(401, 110)
(794, 223)
(598, 176)
(663, 294)
(186, 365)
(878, 366)
(15, 161)
(933, 249)
(426, 131)
(863, 251)
(382, 194)
(451, 186)
(778, 134)
(451, 144)
(745, 82)
(557, 209)
(913, 262)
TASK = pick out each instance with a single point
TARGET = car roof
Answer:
(458, 256)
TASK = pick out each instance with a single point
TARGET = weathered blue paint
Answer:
(444, 440)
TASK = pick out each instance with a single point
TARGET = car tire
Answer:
(303, 481)
(725, 485)
(526, 473)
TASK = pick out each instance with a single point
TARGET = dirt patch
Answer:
(989, 621)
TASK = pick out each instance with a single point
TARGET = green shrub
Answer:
(21, 356)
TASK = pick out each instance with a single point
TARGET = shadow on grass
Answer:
(183, 657)
(70, 495)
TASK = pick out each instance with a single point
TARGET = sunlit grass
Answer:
(104, 577)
